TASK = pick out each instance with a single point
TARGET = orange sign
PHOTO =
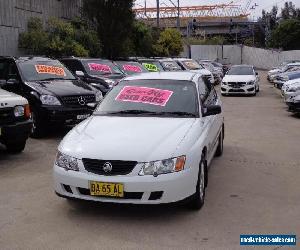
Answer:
(51, 70)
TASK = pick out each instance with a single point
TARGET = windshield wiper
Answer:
(55, 78)
(137, 112)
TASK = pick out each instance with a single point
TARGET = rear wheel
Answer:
(198, 198)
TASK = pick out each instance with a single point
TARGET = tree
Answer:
(169, 43)
(142, 40)
(35, 40)
(289, 11)
(114, 20)
(59, 38)
(286, 35)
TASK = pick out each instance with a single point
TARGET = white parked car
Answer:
(289, 87)
(290, 67)
(193, 66)
(240, 79)
(150, 141)
(291, 95)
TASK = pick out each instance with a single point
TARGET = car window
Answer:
(44, 70)
(241, 70)
(73, 65)
(3, 69)
(170, 66)
(192, 65)
(162, 97)
(152, 66)
(100, 67)
(131, 68)
(12, 72)
(203, 90)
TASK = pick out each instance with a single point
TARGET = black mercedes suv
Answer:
(55, 95)
(101, 74)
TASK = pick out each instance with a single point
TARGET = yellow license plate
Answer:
(106, 189)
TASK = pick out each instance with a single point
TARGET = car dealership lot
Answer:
(253, 188)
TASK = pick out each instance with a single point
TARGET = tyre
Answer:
(197, 200)
(16, 147)
(257, 90)
(220, 147)
(38, 127)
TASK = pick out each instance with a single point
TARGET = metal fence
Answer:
(236, 54)
(14, 15)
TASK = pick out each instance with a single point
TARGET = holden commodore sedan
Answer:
(150, 141)
(240, 79)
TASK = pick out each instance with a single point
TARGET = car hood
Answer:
(274, 71)
(239, 78)
(61, 87)
(139, 139)
(291, 83)
(8, 99)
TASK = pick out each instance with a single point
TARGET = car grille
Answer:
(236, 91)
(236, 84)
(118, 167)
(78, 100)
(6, 115)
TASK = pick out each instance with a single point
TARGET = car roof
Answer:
(180, 76)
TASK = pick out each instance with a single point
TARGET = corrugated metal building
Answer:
(14, 15)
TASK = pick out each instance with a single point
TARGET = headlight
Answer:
(110, 82)
(66, 162)
(50, 100)
(156, 168)
(285, 78)
(251, 82)
(19, 111)
(224, 83)
(99, 96)
(293, 89)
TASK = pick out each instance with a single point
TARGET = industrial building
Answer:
(14, 15)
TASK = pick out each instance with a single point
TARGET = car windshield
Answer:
(241, 70)
(192, 65)
(167, 98)
(152, 66)
(131, 68)
(44, 70)
(100, 67)
(170, 66)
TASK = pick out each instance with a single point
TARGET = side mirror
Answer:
(256, 73)
(79, 73)
(212, 110)
(12, 81)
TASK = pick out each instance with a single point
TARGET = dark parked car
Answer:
(130, 67)
(101, 74)
(55, 95)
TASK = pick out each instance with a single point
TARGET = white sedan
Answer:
(150, 141)
(240, 79)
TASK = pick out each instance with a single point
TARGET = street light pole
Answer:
(157, 14)
(178, 16)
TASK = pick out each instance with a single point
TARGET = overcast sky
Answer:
(262, 4)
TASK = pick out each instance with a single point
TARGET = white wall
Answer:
(236, 54)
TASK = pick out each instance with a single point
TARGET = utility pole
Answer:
(157, 14)
(178, 16)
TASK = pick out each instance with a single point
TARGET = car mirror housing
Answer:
(12, 81)
(212, 110)
(79, 73)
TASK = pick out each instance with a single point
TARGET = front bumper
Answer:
(278, 83)
(18, 131)
(67, 115)
(165, 188)
(246, 89)
(294, 107)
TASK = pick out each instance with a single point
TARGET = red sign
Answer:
(99, 67)
(146, 95)
(132, 68)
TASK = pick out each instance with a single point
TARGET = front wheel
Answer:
(38, 127)
(220, 147)
(197, 201)
(16, 147)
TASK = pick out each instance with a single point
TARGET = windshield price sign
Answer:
(132, 68)
(51, 70)
(150, 67)
(146, 95)
(99, 67)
